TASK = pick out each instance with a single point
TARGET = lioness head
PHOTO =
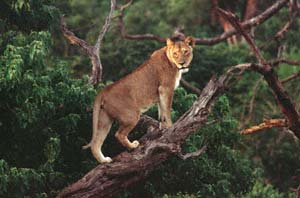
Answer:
(180, 52)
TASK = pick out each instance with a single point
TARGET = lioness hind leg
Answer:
(125, 127)
(104, 125)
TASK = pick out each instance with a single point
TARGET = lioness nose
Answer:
(182, 62)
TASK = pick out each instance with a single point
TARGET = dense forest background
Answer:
(46, 99)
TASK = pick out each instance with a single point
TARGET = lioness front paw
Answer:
(164, 125)
(107, 160)
(134, 144)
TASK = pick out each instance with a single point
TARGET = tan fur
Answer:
(124, 101)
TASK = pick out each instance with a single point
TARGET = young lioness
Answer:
(124, 101)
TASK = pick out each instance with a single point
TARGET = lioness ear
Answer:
(169, 42)
(190, 41)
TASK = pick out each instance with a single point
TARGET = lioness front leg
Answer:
(164, 106)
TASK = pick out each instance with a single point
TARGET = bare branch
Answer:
(291, 77)
(243, 66)
(74, 39)
(284, 60)
(135, 36)
(267, 124)
(264, 68)
(105, 26)
(252, 101)
(233, 19)
(293, 12)
(92, 51)
(255, 21)
(296, 191)
(192, 154)
(189, 86)
(280, 34)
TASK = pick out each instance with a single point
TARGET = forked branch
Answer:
(93, 51)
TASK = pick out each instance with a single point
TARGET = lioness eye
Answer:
(185, 51)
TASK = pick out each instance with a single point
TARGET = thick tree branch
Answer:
(283, 100)
(92, 51)
(255, 21)
(128, 167)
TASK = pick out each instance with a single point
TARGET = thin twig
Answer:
(192, 154)
(189, 86)
(252, 100)
(291, 77)
(284, 60)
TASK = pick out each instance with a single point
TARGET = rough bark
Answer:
(156, 147)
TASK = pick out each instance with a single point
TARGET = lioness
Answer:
(124, 101)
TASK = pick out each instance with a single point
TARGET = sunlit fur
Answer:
(153, 82)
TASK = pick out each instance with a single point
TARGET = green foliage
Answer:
(42, 111)
(27, 15)
(28, 182)
(221, 171)
(261, 190)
